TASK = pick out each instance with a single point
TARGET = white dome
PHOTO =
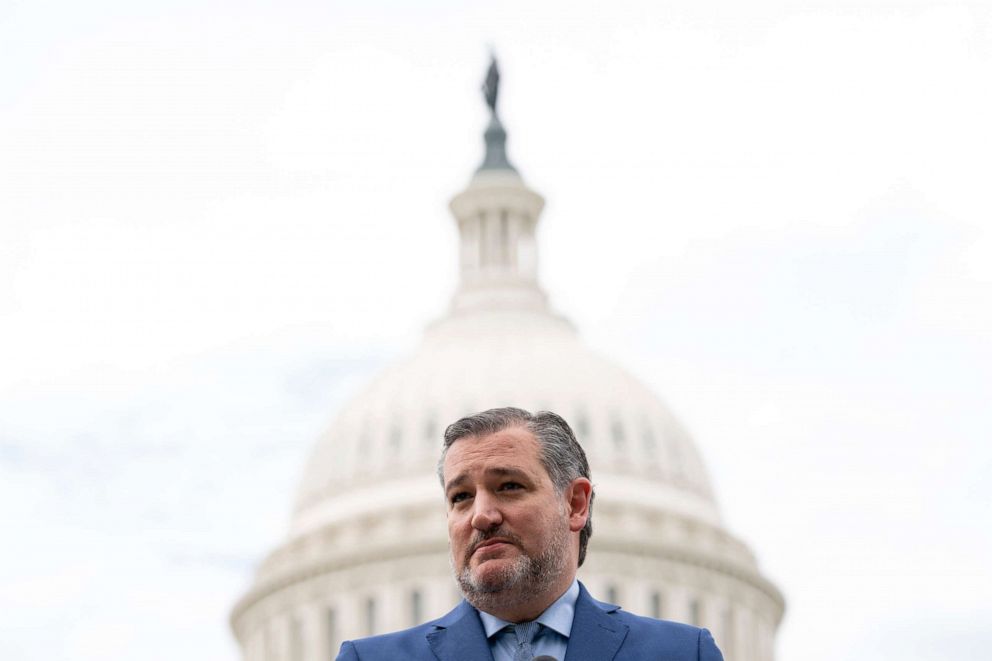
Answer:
(467, 363)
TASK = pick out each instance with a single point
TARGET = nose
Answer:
(485, 512)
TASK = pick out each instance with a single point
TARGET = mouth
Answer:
(491, 545)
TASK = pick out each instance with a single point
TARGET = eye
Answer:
(459, 497)
(510, 486)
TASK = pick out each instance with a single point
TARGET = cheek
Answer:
(456, 530)
(458, 541)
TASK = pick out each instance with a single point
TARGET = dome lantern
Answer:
(497, 217)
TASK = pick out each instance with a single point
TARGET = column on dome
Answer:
(295, 643)
(312, 640)
(497, 221)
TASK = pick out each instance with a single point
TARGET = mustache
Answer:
(481, 537)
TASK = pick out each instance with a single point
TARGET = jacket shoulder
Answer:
(403, 644)
(646, 637)
(669, 639)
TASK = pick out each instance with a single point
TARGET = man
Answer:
(519, 504)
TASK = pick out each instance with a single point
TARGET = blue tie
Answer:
(524, 633)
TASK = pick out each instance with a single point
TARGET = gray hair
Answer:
(561, 454)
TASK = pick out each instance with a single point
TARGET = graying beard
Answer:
(520, 583)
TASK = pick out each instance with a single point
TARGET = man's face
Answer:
(507, 525)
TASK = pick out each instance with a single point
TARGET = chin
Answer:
(495, 572)
(495, 575)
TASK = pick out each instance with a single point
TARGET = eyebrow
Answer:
(489, 472)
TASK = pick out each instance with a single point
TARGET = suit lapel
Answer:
(460, 636)
(596, 634)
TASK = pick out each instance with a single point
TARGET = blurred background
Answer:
(218, 220)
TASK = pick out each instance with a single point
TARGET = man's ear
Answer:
(577, 496)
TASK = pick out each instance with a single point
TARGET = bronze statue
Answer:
(495, 158)
(490, 87)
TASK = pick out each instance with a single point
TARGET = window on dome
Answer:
(727, 635)
(649, 442)
(430, 430)
(617, 431)
(678, 460)
(331, 631)
(504, 236)
(611, 594)
(416, 607)
(485, 256)
(395, 438)
(656, 605)
(364, 440)
(370, 616)
(582, 427)
(695, 612)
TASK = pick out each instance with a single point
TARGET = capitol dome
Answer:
(367, 546)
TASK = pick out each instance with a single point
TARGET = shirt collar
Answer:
(558, 616)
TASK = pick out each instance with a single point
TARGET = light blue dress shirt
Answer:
(550, 639)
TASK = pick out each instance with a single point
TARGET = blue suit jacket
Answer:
(600, 632)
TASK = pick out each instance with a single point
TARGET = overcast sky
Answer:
(219, 219)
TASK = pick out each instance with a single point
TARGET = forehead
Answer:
(514, 447)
